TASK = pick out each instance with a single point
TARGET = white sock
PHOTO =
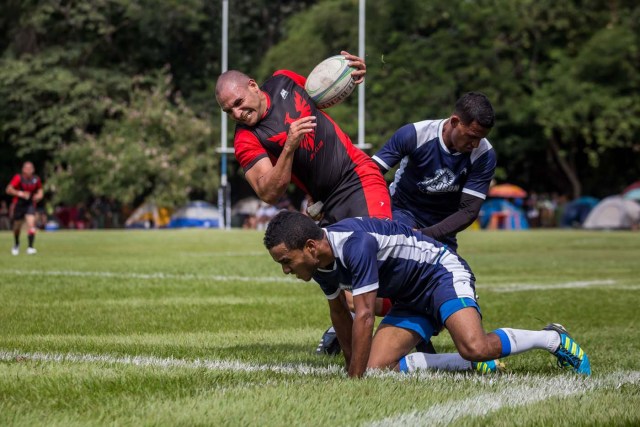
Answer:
(445, 362)
(516, 341)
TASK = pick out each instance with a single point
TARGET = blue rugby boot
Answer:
(488, 367)
(569, 353)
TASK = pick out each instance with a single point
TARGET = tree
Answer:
(153, 147)
(562, 76)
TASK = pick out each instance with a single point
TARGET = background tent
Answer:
(502, 214)
(148, 215)
(507, 191)
(576, 211)
(613, 213)
(195, 214)
(633, 195)
(633, 186)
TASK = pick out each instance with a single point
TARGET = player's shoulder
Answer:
(428, 131)
(287, 75)
(485, 151)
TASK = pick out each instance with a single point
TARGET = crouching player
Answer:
(431, 287)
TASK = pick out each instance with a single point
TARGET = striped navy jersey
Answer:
(431, 179)
(400, 263)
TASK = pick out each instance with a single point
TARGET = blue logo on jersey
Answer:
(441, 182)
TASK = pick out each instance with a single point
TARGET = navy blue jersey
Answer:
(431, 179)
(392, 259)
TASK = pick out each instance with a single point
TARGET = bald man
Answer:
(282, 137)
(26, 189)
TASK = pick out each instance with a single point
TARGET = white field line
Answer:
(225, 254)
(157, 362)
(535, 390)
(520, 287)
(148, 276)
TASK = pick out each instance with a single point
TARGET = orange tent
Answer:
(507, 191)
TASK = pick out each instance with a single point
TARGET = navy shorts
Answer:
(451, 293)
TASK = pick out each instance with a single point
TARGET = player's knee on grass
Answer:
(389, 345)
(469, 337)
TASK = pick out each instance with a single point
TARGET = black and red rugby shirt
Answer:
(326, 164)
(31, 185)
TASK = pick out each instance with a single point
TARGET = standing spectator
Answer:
(5, 223)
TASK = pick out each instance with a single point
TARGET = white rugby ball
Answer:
(330, 82)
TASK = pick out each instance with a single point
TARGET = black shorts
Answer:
(366, 197)
(22, 210)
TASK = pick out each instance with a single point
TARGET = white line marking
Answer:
(535, 390)
(147, 276)
(225, 254)
(520, 287)
(157, 362)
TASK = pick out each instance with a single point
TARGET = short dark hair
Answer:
(475, 106)
(291, 228)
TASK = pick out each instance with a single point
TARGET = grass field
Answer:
(201, 328)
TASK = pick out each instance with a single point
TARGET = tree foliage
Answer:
(563, 77)
(153, 146)
(61, 60)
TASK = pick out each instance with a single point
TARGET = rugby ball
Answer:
(330, 82)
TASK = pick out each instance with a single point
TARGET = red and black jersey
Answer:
(30, 185)
(326, 165)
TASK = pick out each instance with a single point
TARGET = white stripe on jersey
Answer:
(381, 162)
(461, 276)
(396, 246)
(474, 193)
(365, 289)
(483, 147)
(400, 171)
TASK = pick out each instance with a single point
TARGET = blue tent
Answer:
(195, 214)
(576, 211)
(513, 218)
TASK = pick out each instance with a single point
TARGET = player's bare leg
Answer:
(31, 233)
(465, 327)
(17, 226)
(391, 345)
(472, 342)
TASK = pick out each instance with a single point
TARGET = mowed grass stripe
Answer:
(533, 390)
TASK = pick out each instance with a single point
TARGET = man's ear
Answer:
(454, 121)
(311, 245)
(253, 85)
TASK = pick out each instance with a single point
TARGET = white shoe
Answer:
(31, 251)
(15, 250)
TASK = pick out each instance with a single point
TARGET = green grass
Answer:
(180, 295)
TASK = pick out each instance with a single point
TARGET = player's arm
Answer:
(12, 189)
(39, 192)
(343, 324)
(467, 212)
(270, 181)
(401, 144)
(360, 258)
(362, 333)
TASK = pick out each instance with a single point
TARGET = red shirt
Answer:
(30, 185)
(326, 162)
